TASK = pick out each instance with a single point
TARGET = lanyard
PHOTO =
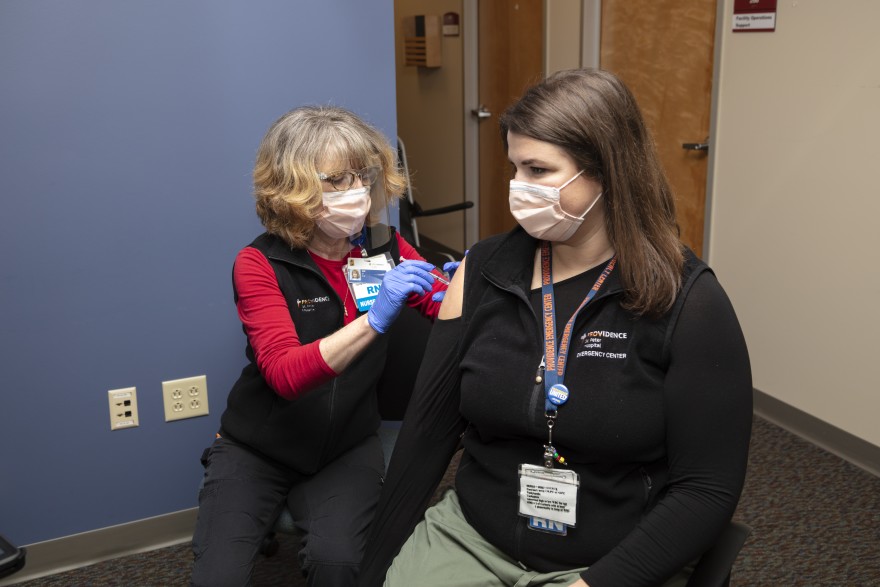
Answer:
(360, 241)
(555, 392)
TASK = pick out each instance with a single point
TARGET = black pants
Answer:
(243, 494)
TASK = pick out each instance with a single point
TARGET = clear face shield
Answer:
(382, 215)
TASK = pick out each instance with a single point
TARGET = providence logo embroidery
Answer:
(602, 344)
(309, 304)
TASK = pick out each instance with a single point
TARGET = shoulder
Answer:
(706, 333)
(706, 296)
(250, 262)
(264, 241)
(252, 274)
(250, 254)
(514, 242)
(702, 300)
(492, 243)
(272, 245)
(257, 252)
(693, 266)
(698, 284)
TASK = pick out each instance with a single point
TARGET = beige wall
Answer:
(430, 111)
(795, 205)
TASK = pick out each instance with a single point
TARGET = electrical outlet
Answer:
(185, 398)
(123, 408)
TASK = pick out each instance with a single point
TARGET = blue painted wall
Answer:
(127, 135)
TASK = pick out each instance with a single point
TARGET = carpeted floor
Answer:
(815, 520)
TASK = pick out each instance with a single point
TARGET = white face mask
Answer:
(538, 211)
(344, 212)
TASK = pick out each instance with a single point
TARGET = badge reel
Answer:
(548, 496)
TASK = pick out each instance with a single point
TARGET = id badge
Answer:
(364, 276)
(548, 497)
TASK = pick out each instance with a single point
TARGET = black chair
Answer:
(714, 567)
(12, 558)
(284, 523)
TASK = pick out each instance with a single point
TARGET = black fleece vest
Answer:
(506, 408)
(307, 433)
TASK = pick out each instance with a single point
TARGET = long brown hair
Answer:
(594, 117)
(286, 184)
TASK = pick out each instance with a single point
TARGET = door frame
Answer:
(471, 90)
(713, 128)
(591, 32)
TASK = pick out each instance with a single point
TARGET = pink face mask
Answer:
(538, 211)
(344, 212)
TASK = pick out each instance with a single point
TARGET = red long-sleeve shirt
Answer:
(289, 367)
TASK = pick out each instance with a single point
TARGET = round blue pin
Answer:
(558, 394)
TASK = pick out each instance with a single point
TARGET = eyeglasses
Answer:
(343, 180)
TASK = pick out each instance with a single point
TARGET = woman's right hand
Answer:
(410, 277)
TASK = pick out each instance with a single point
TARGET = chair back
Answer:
(713, 568)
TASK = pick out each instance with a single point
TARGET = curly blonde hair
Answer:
(286, 185)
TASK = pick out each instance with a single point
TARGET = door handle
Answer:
(481, 112)
(704, 146)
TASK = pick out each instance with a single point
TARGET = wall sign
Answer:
(450, 24)
(753, 16)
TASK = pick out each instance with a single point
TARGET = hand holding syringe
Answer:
(435, 273)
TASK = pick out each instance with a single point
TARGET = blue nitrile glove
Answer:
(407, 278)
(449, 268)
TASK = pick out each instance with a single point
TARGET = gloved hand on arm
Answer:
(449, 268)
(409, 277)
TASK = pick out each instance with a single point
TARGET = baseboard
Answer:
(839, 442)
(79, 550)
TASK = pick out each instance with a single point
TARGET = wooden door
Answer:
(511, 53)
(664, 50)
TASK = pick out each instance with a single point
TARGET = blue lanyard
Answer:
(360, 241)
(555, 392)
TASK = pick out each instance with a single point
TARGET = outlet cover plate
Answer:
(123, 408)
(185, 398)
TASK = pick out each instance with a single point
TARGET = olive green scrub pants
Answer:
(445, 551)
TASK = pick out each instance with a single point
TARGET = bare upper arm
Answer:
(451, 307)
